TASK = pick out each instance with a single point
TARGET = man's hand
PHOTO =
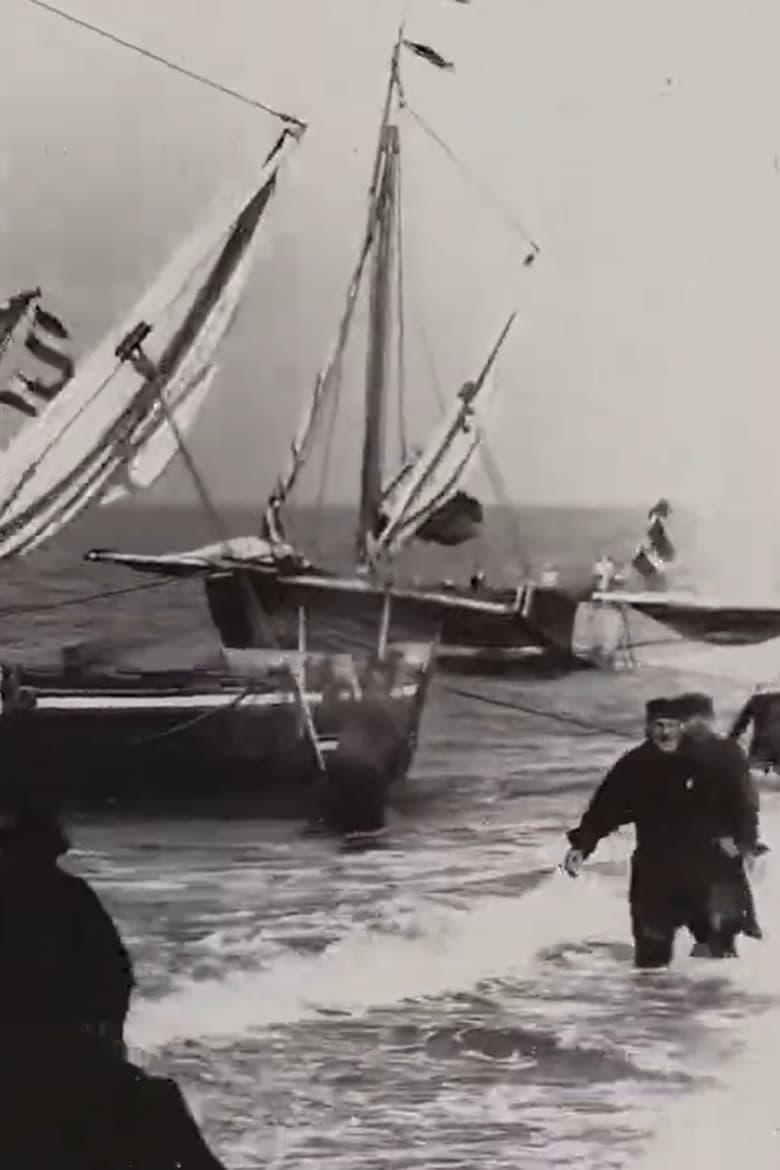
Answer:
(729, 846)
(752, 855)
(572, 862)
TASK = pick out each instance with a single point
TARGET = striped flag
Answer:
(656, 551)
(11, 313)
(48, 365)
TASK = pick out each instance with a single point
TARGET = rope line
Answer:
(558, 716)
(487, 193)
(82, 599)
(160, 60)
(194, 721)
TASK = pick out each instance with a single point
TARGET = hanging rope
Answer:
(253, 602)
(85, 598)
(194, 721)
(506, 212)
(489, 464)
(149, 55)
(587, 726)
(557, 716)
(322, 486)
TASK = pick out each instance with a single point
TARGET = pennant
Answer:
(428, 54)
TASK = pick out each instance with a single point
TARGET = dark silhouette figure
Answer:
(734, 813)
(371, 743)
(762, 710)
(69, 1099)
(61, 956)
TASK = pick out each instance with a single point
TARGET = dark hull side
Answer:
(721, 627)
(535, 634)
(100, 748)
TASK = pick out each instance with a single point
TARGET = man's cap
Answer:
(694, 703)
(661, 708)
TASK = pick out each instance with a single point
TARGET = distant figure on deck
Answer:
(684, 805)
(762, 710)
(69, 1099)
(549, 578)
(603, 573)
(371, 743)
(477, 581)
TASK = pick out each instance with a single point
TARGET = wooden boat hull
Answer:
(220, 744)
(700, 620)
(484, 631)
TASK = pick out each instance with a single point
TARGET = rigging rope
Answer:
(193, 721)
(488, 194)
(253, 602)
(558, 716)
(84, 598)
(489, 464)
(325, 468)
(160, 60)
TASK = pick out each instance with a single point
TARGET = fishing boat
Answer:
(99, 727)
(402, 498)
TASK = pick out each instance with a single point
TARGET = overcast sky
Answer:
(638, 139)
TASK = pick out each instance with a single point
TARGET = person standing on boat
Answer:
(603, 573)
(549, 578)
(69, 1098)
(734, 811)
(678, 871)
(762, 710)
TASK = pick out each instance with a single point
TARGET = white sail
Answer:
(444, 463)
(97, 429)
(159, 450)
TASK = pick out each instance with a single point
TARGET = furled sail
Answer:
(432, 489)
(109, 427)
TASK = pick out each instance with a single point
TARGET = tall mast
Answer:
(383, 191)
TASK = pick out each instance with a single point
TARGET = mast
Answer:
(382, 192)
(376, 360)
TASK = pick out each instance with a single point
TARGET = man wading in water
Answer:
(763, 711)
(351, 799)
(694, 819)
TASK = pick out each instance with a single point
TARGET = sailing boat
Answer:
(100, 727)
(712, 620)
(422, 499)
